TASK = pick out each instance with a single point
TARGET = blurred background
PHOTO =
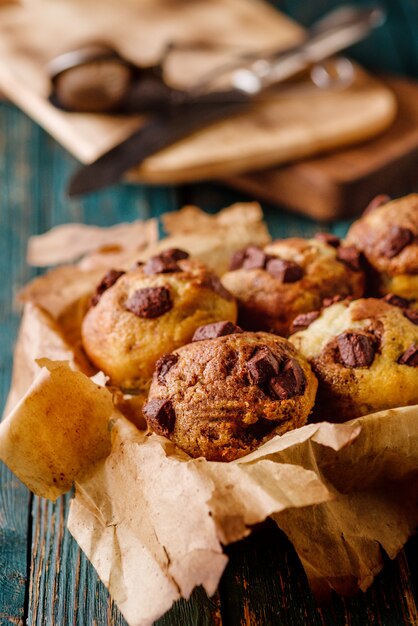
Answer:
(393, 48)
(31, 160)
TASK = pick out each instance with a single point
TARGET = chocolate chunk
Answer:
(164, 365)
(378, 201)
(326, 302)
(254, 259)
(285, 271)
(289, 383)
(216, 285)
(161, 265)
(356, 350)
(412, 315)
(304, 320)
(250, 258)
(394, 300)
(410, 356)
(217, 329)
(329, 238)
(107, 281)
(395, 241)
(237, 260)
(160, 416)
(350, 256)
(150, 302)
(175, 254)
(262, 366)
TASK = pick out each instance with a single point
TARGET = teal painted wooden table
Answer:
(44, 577)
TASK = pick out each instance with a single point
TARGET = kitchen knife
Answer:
(162, 131)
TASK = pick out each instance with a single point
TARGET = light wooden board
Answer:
(343, 183)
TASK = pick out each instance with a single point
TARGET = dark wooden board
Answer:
(341, 184)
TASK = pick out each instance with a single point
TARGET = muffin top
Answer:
(387, 234)
(365, 354)
(292, 276)
(156, 307)
(229, 391)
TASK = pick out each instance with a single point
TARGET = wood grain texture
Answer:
(65, 590)
(265, 584)
(16, 221)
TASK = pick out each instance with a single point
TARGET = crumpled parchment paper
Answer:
(152, 520)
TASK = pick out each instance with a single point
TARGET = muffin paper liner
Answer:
(152, 520)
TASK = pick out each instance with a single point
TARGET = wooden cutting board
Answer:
(342, 184)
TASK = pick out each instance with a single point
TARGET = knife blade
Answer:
(160, 132)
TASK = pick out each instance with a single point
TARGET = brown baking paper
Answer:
(210, 238)
(151, 519)
(69, 242)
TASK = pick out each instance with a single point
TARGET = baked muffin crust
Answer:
(221, 397)
(289, 277)
(387, 235)
(149, 311)
(365, 355)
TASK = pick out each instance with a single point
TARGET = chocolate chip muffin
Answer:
(365, 355)
(229, 391)
(387, 235)
(290, 277)
(142, 314)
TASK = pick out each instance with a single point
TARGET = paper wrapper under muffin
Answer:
(345, 494)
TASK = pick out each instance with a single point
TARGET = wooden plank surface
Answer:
(14, 497)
